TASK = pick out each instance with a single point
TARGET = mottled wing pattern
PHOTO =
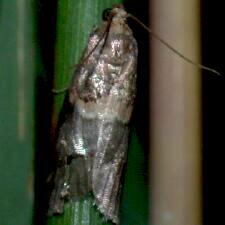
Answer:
(108, 165)
(92, 143)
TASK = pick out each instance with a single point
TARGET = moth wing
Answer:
(108, 165)
(71, 178)
(60, 191)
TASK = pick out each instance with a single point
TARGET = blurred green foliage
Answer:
(17, 76)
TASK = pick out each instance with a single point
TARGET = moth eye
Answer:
(106, 14)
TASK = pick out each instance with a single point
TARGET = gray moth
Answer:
(93, 140)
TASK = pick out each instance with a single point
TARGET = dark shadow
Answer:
(44, 12)
(213, 95)
(141, 118)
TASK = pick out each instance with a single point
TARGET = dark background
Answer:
(213, 111)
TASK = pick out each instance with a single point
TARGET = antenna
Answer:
(172, 48)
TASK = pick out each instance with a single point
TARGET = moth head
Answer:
(116, 12)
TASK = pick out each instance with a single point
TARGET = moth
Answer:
(93, 140)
